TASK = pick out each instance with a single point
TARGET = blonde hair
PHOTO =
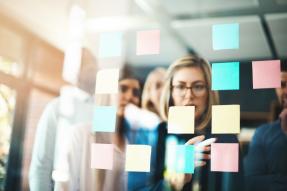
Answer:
(146, 97)
(185, 62)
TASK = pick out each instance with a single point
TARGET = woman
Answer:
(188, 83)
(82, 177)
(152, 90)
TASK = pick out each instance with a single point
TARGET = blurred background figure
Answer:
(74, 105)
(266, 162)
(152, 90)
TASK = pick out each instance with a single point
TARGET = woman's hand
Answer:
(202, 149)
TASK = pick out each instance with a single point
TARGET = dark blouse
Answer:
(208, 180)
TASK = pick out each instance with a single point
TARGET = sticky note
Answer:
(148, 42)
(225, 119)
(225, 36)
(102, 156)
(225, 76)
(183, 158)
(107, 81)
(104, 118)
(138, 158)
(266, 74)
(224, 157)
(181, 120)
(110, 44)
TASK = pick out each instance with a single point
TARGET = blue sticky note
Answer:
(104, 119)
(225, 36)
(185, 159)
(225, 76)
(110, 44)
(182, 158)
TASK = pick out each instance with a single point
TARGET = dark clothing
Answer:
(208, 180)
(266, 162)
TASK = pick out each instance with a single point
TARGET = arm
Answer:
(40, 175)
(257, 175)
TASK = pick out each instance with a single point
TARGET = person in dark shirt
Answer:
(266, 162)
(188, 83)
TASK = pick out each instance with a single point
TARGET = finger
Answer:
(199, 163)
(200, 156)
(195, 140)
(202, 149)
(206, 142)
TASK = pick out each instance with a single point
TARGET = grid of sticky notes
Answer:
(181, 119)
(225, 119)
(180, 158)
(110, 44)
(104, 119)
(266, 74)
(107, 81)
(225, 76)
(225, 36)
(102, 156)
(138, 158)
(148, 42)
(224, 157)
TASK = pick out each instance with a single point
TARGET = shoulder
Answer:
(267, 128)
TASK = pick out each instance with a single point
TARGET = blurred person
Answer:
(152, 90)
(266, 161)
(82, 176)
(74, 105)
(188, 83)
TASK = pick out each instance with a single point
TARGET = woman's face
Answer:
(189, 88)
(155, 89)
(129, 93)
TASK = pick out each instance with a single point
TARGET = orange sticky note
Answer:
(266, 74)
(148, 42)
(138, 158)
(107, 81)
(181, 120)
(225, 119)
(102, 156)
(224, 157)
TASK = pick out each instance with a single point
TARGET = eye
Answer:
(199, 87)
(180, 87)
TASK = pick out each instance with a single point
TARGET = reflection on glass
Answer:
(9, 67)
(7, 106)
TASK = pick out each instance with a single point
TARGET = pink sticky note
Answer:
(266, 74)
(148, 42)
(102, 156)
(224, 157)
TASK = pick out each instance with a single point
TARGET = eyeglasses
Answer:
(198, 90)
(125, 88)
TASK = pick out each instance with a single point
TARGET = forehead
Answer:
(133, 83)
(189, 74)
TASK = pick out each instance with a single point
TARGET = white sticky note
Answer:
(181, 119)
(225, 119)
(107, 81)
(138, 158)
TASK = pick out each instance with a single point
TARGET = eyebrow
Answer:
(195, 82)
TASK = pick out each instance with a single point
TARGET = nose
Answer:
(189, 94)
(129, 96)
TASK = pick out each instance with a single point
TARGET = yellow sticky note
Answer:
(181, 120)
(138, 158)
(107, 81)
(225, 119)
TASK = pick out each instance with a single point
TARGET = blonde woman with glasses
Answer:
(188, 83)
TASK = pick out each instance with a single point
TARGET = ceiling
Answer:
(185, 25)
